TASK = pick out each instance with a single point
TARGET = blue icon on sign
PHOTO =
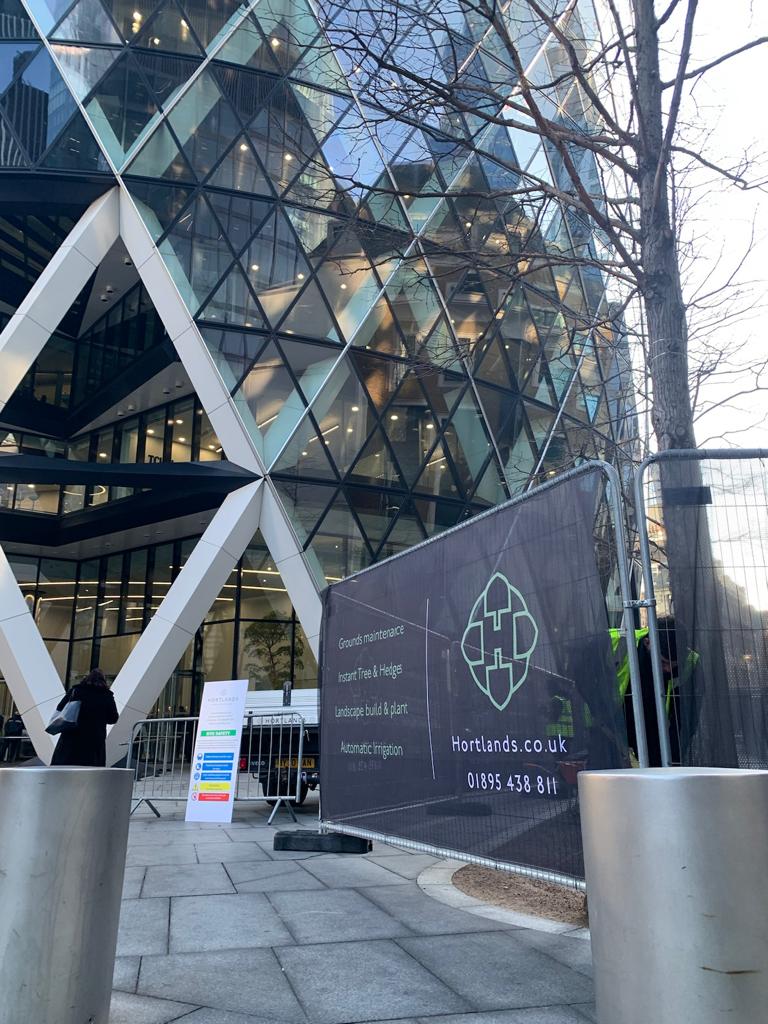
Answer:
(197, 775)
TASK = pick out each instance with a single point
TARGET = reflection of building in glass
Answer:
(392, 363)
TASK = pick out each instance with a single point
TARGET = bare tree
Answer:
(568, 127)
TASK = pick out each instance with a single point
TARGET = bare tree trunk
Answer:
(672, 415)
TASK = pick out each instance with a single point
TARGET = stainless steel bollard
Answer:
(678, 902)
(63, 836)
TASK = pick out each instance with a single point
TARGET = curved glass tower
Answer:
(277, 282)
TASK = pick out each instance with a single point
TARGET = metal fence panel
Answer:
(703, 523)
(271, 765)
(466, 682)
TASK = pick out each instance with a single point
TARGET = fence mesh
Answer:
(707, 523)
(466, 683)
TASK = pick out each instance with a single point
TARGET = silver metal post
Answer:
(653, 625)
(629, 625)
(63, 836)
(677, 896)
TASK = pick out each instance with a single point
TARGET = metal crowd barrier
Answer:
(15, 748)
(270, 764)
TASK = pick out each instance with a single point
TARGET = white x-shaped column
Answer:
(24, 659)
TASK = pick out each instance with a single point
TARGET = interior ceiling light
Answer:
(180, 422)
(287, 157)
(275, 42)
(243, 147)
(254, 266)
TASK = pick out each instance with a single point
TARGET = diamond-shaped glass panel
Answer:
(87, 22)
(84, 66)
(375, 465)
(248, 48)
(161, 157)
(158, 204)
(276, 268)
(376, 510)
(233, 303)
(76, 149)
(240, 170)
(48, 12)
(309, 316)
(121, 108)
(168, 30)
(210, 21)
(204, 123)
(198, 256)
(305, 504)
(338, 543)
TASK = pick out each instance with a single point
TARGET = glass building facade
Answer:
(349, 279)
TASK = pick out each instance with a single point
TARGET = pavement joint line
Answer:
(287, 977)
(435, 882)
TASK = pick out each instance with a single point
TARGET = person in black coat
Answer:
(85, 745)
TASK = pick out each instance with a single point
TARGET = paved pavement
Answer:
(219, 928)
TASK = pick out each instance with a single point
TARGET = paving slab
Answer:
(153, 853)
(128, 1009)
(132, 881)
(574, 952)
(364, 981)
(426, 916)
(271, 876)
(537, 1015)
(193, 880)
(227, 853)
(126, 973)
(334, 915)
(207, 1016)
(351, 872)
(224, 922)
(494, 970)
(409, 865)
(143, 927)
(240, 980)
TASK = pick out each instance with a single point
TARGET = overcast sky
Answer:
(733, 97)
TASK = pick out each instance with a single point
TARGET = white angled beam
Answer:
(57, 287)
(291, 563)
(160, 647)
(26, 664)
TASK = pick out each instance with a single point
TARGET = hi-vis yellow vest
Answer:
(622, 673)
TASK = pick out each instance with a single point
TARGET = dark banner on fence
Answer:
(466, 682)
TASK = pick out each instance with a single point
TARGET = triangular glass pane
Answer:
(87, 23)
(210, 20)
(541, 421)
(414, 303)
(289, 27)
(318, 65)
(375, 465)
(349, 282)
(338, 543)
(439, 515)
(321, 109)
(37, 123)
(48, 12)
(76, 149)
(84, 66)
(158, 204)
(15, 23)
(310, 364)
(198, 257)
(167, 30)
(247, 48)
(490, 488)
(282, 137)
(160, 157)
(305, 504)
(381, 377)
(233, 303)
(519, 460)
(407, 530)
(305, 454)
(239, 216)
(345, 416)
(121, 108)
(10, 151)
(468, 440)
(277, 269)
(441, 350)
(240, 170)
(166, 74)
(376, 511)
(129, 16)
(437, 477)
(379, 332)
(493, 364)
(315, 186)
(247, 91)
(14, 58)
(233, 352)
(352, 156)
(204, 123)
(309, 316)
(269, 401)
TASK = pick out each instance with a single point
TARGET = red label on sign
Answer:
(214, 796)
